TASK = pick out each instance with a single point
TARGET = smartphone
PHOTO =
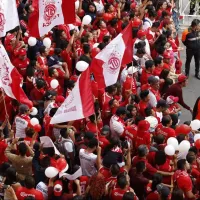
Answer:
(5, 186)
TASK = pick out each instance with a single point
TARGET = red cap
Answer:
(58, 187)
(22, 52)
(136, 23)
(178, 64)
(172, 99)
(133, 5)
(141, 33)
(182, 78)
(143, 125)
(183, 129)
(125, 14)
(60, 99)
(166, 55)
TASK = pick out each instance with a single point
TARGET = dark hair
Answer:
(64, 133)
(86, 48)
(52, 112)
(40, 83)
(3, 167)
(148, 111)
(144, 94)
(22, 149)
(160, 157)
(51, 71)
(30, 132)
(177, 194)
(77, 197)
(166, 120)
(11, 176)
(156, 24)
(152, 13)
(106, 39)
(113, 22)
(110, 88)
(149, 64)
(93, 143)
(122, 180)
(128, 196)
(138, 119)
(140, 166)
(115, 169)
(42, 50)
(129, 109)
(195, 22)
(101, 45)
(164, 74)
(180, 138)
(181, 164)
(190, 157)
(174, 120)
(45, 162)
(141, 51)
(158, 60)
(142, 151)
(29, 182)
(194, 150)
(157, 179)
(29, 198)
(159, 139)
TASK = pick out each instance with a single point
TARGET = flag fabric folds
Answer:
(107, 63)
(79, 104)
(50, 13)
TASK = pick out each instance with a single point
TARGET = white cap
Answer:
(132, 70)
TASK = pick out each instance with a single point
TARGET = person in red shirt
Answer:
(143, 104)
(164, 128)
(102, 31)
(93, 125)
(28, 190)
(166, 60)
(158, 66)
(147, 72)
(143, 134)
(22, 62)
(123, 181)
(174, 108)
(182, 179)
(103, 141)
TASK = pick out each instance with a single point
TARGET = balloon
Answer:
(197, 144)
(34, 111)
(81, 13)
(37, 128)
(169, 150)
(32, 41)
(54, 84)
(81, 66)
(107, 17)
(61, 164)
(86, 20)
(26, 34)
(196, 137)
(152, 121)
(94, 52)
(51, 172)
(184, 146)
(34, 121)
(195, 124)
(47, 42)
(183, 129)
(133, 5)
(174, 142)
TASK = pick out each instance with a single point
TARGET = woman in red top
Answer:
(196, 110)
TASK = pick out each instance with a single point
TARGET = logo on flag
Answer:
(49, 12)
(2, 20)
(113, 63)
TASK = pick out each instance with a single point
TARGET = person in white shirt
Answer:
(90, 162)
(148, 21)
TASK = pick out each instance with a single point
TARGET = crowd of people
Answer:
(122, 151)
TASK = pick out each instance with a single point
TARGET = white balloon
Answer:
(34, 121)
(26, 34)
(86, 20)
(174, 142)
(169, 150)
(95, 45)
(81, 66)
(196, 137)
(47, 42)
(32, 41)
(195, 124)
(152, 121)
(51, 172)
(54, 84)
(184, 146)
(76, 5)
(34, 111)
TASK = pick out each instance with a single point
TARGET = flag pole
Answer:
(96, 126)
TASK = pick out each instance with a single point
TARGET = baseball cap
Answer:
(162, 103)
(22, 52)
(60, 99)
(136, 23)
(166, 55)
(182, 78)
(58, 187)
(143, 125)
(132, 70)
(50, 93)
(88, 135)
(105, 130)
(125, 14)
(172, 99)
(163, 190)
(141, 33)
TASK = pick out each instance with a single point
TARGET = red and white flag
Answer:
(107, 63)
(50, 13)
(10, 79)
(80, 102)
(8, 16)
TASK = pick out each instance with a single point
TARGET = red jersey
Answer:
(21, 66)
(118, 193)
(103, 32)
(23, 192)
(130, 134)
(42, 60)
(157, 71)
(95, 88)
(48, 127)
(130, 81)
(105, 103)
(105, 172)
(144, 77)
(150, 37)
(173, 107)
(3, 146)
(103, 142)
(166, 131)
(37, 94)
(141, 107)
(143, 137)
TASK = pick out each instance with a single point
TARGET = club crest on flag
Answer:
(49, 12)
(4, 73)
(113, 63)
(2, 20)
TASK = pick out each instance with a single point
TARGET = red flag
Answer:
(10, 79)
(79, 104)
(107, 63)
(50, 13)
